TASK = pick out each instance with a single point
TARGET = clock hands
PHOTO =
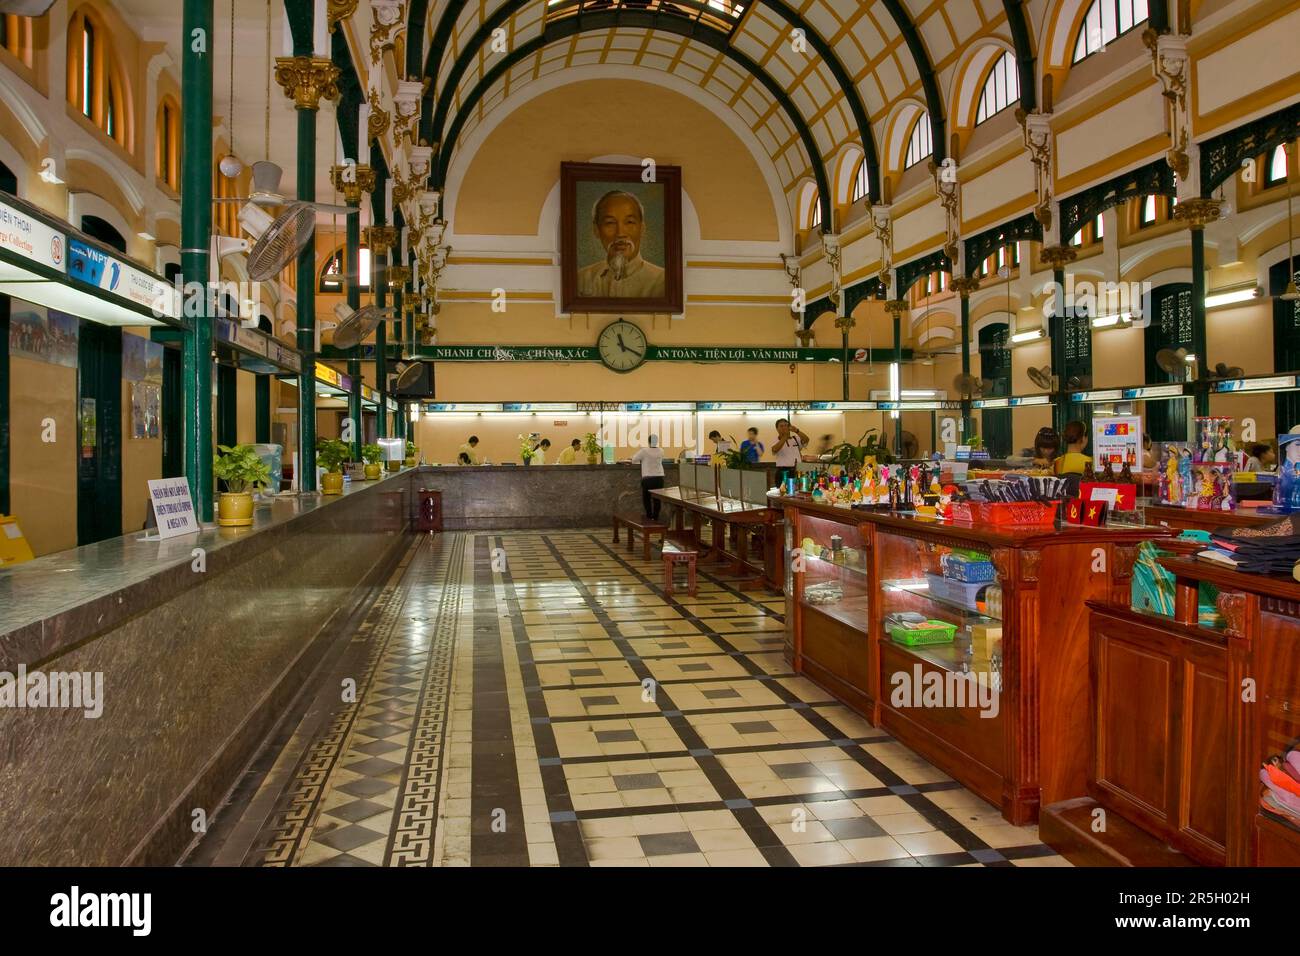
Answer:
(625, 348)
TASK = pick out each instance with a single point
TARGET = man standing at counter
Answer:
(570, 455)
(651, 460)
(468, 450)
(789, 443)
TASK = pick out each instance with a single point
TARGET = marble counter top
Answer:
(73, 594)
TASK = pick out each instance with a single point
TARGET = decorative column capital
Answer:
(896, 307)
(845, 322)
(965, 285)
(353, 180)
(339, 10)
(805, 337)
(1058, 256)
(307, 79)
(379, 239)
(398, 276)
(1197, 212)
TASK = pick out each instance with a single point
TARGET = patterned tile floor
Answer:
(534, 698)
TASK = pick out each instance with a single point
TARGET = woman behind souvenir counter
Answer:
(1262, 457)
(1075, 439)
(1047, 445)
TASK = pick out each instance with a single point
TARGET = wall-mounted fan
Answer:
(265, 192)
(407, 376)
(1173, 362)
(969, 386)
(276, 241)
(1078, 383)
(1042, 377)
(353, 330)
(1223, 370)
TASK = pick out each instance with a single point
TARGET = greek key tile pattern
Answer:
(535, 698)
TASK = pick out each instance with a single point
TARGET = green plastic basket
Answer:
(934, 632)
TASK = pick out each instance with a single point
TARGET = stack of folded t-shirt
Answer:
(1269, 549)
(1281, 778)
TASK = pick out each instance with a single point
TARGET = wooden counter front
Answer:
(1179, 519)
(1035, 748)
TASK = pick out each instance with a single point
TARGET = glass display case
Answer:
(833, 560)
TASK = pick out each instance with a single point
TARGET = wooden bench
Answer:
(673, 555)
(634, 523)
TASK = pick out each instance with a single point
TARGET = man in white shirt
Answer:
(789, 444)
(651, 459)
(468, 450)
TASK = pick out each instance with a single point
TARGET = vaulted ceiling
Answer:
(809, 77)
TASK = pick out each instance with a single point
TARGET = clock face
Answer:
(622, 346)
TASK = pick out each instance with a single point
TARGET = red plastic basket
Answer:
(1005, 512)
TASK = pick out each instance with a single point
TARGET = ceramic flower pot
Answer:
(593, 459)
(409, 462)
(373, 471)
(394, 466)
(235, 510)
(331, 483)
(356, 470)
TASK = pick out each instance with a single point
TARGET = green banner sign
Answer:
(588, 353)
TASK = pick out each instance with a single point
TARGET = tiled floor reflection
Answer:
(533, 698)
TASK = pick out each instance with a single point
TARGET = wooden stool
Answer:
(673, 555)
(648, 527)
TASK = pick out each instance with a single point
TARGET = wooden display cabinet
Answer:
(1029, 748)
(1183, 717)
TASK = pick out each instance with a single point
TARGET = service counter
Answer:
(201, 642)
(496, 497)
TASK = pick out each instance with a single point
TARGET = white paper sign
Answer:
(172, 507)
(1118, 439)
(1104, 494)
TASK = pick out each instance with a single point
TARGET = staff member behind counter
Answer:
(467, 454)
(570, 455)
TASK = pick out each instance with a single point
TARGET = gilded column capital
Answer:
(379, 239)
(1058, 256)
(965, 285)
(845, 322)
(353, 180)
(398, 276)
(1196, 213)
(896, 306)
(307, 79)
(339, 10)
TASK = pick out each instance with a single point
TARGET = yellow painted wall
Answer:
(141, 462)
(246, 407)
(43, 478)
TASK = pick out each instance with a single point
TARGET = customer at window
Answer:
(539, 451)
(1047, 445)
(789, 443)
(651, 460)
(1263, 457)
(469, 450)
(1149, 460)
(720, 445)
(570, 455)
(1074, 461)
(751, 448)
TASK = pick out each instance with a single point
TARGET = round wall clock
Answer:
(622, 346)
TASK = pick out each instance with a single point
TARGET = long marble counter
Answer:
(198, 645)
(495, 497)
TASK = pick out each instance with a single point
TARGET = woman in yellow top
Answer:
(1073, 461)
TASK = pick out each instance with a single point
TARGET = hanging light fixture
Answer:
(230, 164)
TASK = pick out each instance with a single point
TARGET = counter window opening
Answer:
(332, 276)
(97, 86)
(1001, 88)
(1105, 22)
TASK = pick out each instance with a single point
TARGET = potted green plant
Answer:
(373, 455)
(331, 453)
(241, 471)
(526, 447)
(868, 448)
(410, 454)
(591, 445)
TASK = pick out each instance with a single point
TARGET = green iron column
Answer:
(964, 286)
(382, 238)
(305, 79)
(1057, 257)
(196, 232)
(227, 405)
(352, 257)
(896, 308)
(1196, 213)
(397, 278)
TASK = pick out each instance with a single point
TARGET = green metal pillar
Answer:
(379, 259)
(352, 267)
(898, 361)
(1199, 339)
(262, 410)
(967, 419)
(197, 44)
(1056, 346)
(399, 423)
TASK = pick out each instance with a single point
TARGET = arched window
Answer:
(815, 216)
(1091, 233)
(104, 231)
(332, 277)
(96, 83)
(861, 181)
(809, 208)
(1153, 210)
(1104, 22)
(16, 36)
(1275, 169)
(919, 144)
(1001, 89)
(168, 143)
